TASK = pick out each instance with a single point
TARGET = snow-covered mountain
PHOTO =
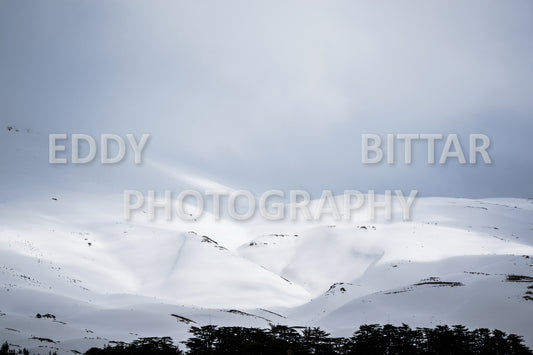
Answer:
(69, 256)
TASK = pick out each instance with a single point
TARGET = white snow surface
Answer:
(70, 253)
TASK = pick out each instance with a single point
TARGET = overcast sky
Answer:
(276, 94)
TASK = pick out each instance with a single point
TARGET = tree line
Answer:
(373, 339)
(370, 339)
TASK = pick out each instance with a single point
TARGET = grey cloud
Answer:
(277, 94)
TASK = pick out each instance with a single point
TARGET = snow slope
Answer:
(66, 250)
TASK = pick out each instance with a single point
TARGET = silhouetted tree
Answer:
(316, 341)
(163, 346)
(370, 339)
